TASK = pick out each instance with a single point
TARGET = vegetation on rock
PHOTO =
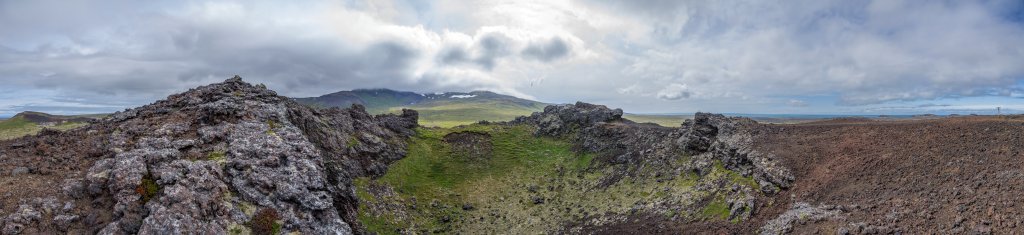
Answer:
(265, 222)
(147, 188)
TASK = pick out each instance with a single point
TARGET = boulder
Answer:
(19, 171)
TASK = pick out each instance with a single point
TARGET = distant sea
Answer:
(814, 116)
(789, 116)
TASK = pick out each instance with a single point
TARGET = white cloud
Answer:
(866, 53)
(796, 103)
(630, 90)
(674, 91)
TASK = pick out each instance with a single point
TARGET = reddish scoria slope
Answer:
(954, 175)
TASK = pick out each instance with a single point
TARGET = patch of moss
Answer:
(247, 208)
(716, 209)
(271, 126)
(361, 185)
(383, 225)
(216, 156)
(238, 229)
(736, 177)
(352, 142)
(671, 213)
(147, 188)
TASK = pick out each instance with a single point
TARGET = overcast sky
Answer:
(658, 56)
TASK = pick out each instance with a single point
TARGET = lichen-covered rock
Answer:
(728, 139)
(64, 221)
(74, 188)
(205, 160)
(800, 211)
(22, 218)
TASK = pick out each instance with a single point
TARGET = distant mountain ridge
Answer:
(28, 123)
(436, 109)
(379, 100)
(45, 118)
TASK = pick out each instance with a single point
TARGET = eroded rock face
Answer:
(651, 151)
(206, 160)
(728, 139)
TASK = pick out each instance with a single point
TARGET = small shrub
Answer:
(147, 188)
(265, 222)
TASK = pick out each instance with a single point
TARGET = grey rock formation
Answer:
(204, 161)
(559, 120)
(635, 150)
(800, 211)
(728, 139)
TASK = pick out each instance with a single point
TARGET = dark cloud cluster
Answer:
(492, 47)
(485, 52)
(548, 51)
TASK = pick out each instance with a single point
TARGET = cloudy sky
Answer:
(657, 56)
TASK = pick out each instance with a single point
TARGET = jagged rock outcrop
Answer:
(728, 139)
(651, 151)
(707, 136)
(205, 161)
(559, 120)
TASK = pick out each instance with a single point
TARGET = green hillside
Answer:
(663, 120)
(29, 123)
(375, 100)
(440, 109)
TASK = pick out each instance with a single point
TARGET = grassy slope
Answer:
(437, 110)
(426, 191)
(451, 113)
(663, 120)
(18, 127)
